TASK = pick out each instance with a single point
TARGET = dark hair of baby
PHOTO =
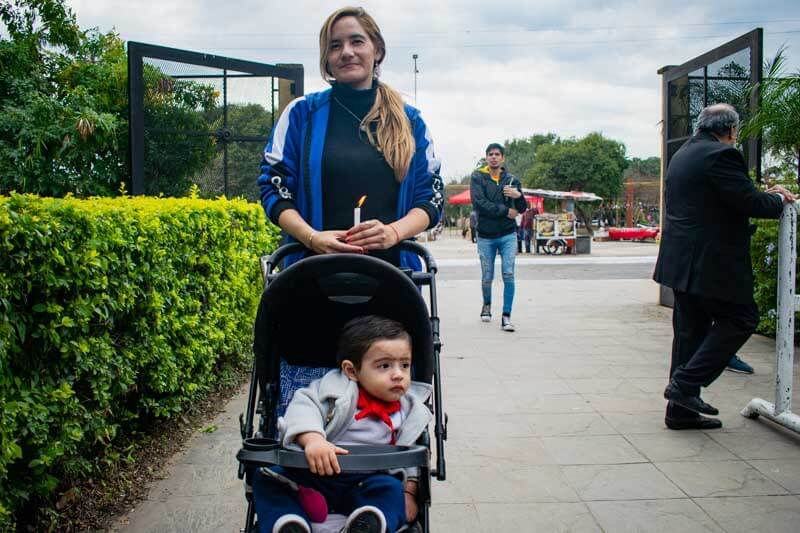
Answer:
(360, 333)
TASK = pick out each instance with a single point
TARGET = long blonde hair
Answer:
(392, 134)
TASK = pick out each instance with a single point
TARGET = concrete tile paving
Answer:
(558, 427)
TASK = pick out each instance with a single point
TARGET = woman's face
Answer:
(351, 55)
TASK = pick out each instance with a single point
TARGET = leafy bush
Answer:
(777, 118)
(64, 110)
(764, 251)
(113, 312)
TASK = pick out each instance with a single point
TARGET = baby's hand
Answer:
(321, 454)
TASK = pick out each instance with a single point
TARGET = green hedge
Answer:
(764, 251)
(113, 312)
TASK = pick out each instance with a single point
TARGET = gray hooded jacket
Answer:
(328, 405)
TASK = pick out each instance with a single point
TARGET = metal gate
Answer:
(724, 74)
(201, 120)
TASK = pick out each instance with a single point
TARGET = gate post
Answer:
(136, 118)
(788, 305)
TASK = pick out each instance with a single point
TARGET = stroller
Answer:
(301, 314)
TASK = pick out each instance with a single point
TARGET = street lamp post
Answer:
(416, 71)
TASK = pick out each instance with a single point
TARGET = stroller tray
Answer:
(263, 452)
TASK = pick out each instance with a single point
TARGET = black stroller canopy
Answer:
(303, 310)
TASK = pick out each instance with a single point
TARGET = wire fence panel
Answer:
(202, 120)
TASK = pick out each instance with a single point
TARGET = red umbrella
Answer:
(464, 198)
(461, 198)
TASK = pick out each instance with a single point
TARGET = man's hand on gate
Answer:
(788, 196)
(512, 213)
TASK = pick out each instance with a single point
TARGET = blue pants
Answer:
(344, 493)
(527, 235)
(488, 249)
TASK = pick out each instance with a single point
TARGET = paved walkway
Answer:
(557, 427)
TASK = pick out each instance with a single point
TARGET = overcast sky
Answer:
(488, 70)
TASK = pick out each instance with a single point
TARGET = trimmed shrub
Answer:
(113, 313)
(764, 251)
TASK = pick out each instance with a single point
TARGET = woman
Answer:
(358, 138)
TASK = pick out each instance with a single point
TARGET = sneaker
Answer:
(486, 313)
(737, 365)
(505, 323)
(291, 523)
(367, 519)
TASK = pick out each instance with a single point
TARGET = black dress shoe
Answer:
(693, 403)
(696, 422)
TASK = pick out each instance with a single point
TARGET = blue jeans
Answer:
(488, 249)
(343, 492)
(527, 235)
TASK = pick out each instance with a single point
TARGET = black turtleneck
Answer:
(352, 167)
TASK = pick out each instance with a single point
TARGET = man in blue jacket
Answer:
(497, 199)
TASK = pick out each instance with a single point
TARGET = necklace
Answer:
(361, 127)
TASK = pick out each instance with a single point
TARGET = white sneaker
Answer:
(291, 523)
(486, 313)
(505, 324)
(366, 519)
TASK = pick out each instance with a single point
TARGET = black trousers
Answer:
(706, 334)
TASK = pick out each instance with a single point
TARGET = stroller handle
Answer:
(360, 459)
(268, 263)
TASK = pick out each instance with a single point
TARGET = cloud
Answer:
(495, 102)
(488, 70)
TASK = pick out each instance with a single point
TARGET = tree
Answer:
(650, 166)
(54, 127)
(37, 23)
(778, 116)
(64, 109)
(591, 164)
(521, 153)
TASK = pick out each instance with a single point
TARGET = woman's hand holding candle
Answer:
(372, 235)
(331, 242)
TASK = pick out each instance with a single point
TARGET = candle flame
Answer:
(361, 201)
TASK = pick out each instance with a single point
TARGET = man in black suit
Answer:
(705, 258)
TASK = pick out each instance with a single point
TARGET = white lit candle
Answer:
(357, 211)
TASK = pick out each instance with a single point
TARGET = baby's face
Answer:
(385, 369)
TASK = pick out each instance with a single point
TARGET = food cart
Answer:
(558, 233)
(554, 234)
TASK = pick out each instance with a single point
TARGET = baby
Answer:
(370, 399)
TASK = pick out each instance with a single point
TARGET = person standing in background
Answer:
(527, 227)
(497, 199)
(473, 225)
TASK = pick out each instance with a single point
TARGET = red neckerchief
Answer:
(371, 406)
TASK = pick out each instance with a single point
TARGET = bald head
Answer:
(721, 120)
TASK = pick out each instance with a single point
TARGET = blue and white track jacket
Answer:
(292, 165)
